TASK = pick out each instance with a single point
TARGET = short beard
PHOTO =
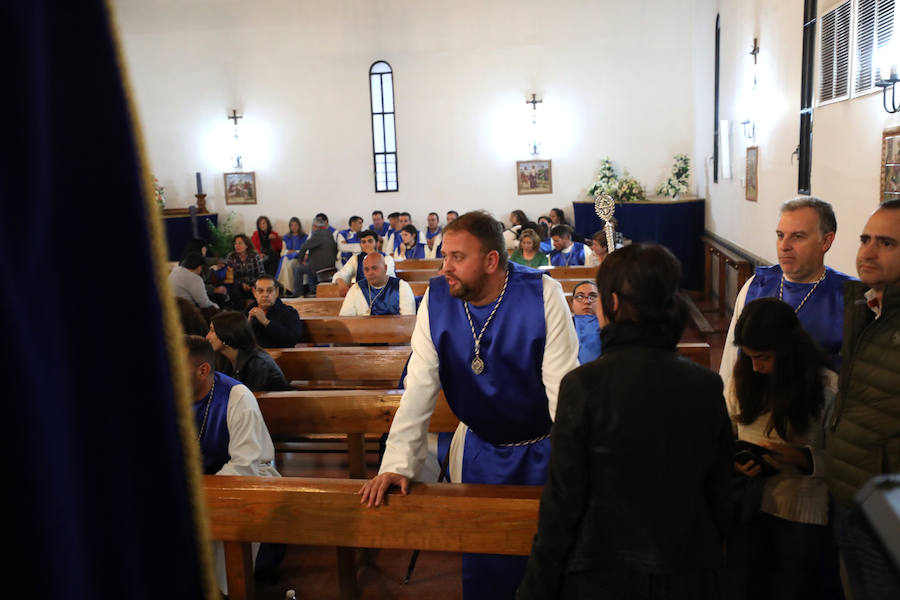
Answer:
(465, 292)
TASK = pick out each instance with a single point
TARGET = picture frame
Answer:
(240, 188)
(752, 175)
(890, 164)
(534, 177)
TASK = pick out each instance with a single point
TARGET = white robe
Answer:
(348, 271)
(356, 305)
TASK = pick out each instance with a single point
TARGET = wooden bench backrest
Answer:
(417, 275)
(315, 307)
(290, 414)
(579, 273)
(495, 519)
(418, 263)
(345, 367)
(382, 329)
(330, 290)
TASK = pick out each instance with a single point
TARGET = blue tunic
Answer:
(214, 443)
(506, 404)
(360, 273)
(588, 329)
(547, 246)
(398, 240)
(822, 316)
(573, 258)
(417, 251)
(385, 227)
(383, 301)
(291, 242)
(351, 237)
(429, 235)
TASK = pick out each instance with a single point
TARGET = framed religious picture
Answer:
(752, 189)
(240, 188)
(534, 177)
(890, 164)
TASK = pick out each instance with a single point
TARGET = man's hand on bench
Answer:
(373, 491)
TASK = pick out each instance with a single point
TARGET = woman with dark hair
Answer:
(517, 220)
(543, 230)
(529, 251)
(246, 266)
(637, 503)
(192, 320)
(267, 243)
(232, 338)
(293, 241)
(778, 398)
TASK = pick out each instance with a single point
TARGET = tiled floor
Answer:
(312, 571)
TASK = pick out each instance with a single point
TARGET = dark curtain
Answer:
(97, 499)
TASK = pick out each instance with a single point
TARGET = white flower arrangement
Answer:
(622, 189)
(677, 183)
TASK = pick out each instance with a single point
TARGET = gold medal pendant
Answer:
(477, 365)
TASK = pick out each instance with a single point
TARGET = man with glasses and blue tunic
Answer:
(498, 338)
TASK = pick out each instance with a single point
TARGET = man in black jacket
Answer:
(322, 251)
(275, 324)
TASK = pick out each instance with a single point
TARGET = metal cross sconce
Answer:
(238, 161)
(535, 146)
(755, 50)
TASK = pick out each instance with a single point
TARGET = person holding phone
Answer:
(778, 397)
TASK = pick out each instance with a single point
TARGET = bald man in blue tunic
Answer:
(498, 338)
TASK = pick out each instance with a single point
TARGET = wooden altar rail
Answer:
(290, 416)
(713, 250)
(380, 329)
(494, 519)
(342, 367)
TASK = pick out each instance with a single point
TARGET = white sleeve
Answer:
(407, 299)
(389, 262)
(407, 446)
(350, 306)
(590, 259)
(730, 351)
(345, 246)
(347, 272)
(561, 346)
(250, 446)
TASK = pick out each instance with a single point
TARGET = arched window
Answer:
(384, 133)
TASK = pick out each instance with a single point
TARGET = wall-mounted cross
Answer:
(755, 50)
(533, 102)
(234, 116)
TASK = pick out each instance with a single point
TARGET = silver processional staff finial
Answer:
(605, 207)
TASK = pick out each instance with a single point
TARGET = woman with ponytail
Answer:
(637, 500)
(777, 398)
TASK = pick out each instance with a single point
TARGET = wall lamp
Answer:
(534, 148)
(891, 83)
(236, 158)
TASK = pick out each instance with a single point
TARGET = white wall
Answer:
(846, 135)
(617, 79)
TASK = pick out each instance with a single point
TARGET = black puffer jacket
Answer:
(258, 371)
(641, 462)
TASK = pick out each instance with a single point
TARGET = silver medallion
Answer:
(478, 365)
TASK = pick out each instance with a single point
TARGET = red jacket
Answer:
(274, 242)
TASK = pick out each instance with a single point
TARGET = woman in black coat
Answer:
(241, 358)
(636, 503)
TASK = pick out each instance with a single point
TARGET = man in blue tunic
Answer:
(233, 437)
(805, 231)
(352, 272)
(348, 239)
(376, 293)
(379, 225)
(567, 253)
(497, 337)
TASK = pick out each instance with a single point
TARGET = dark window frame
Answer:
(807, 93)
(382, 114)
(716, 105)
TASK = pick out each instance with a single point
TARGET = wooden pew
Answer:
(292, 415)
(379, 329)
(725, 258)
(417, 275)
(315, 307)
(419, 263)
(494, 519)
(579, 273)
(342, 367)
(330, 290)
